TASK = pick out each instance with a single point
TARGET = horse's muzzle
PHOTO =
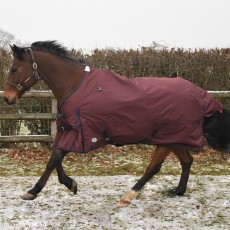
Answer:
(10, 102)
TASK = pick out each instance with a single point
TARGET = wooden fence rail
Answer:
(52, 116)
(32, 116)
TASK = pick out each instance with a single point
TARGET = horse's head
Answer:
(23, 74)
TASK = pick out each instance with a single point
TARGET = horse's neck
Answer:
(60, 75)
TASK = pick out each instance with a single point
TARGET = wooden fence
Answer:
(32, 116)
(52, 116)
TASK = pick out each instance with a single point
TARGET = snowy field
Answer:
(206, 204)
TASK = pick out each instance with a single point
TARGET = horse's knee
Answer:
(56, 158)
(187, 163)
(156, 169)
(64, 180)
(158, 157)
(190, 161)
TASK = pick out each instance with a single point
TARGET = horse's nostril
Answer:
(5, 99)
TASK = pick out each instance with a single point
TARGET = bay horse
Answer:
(99, 107)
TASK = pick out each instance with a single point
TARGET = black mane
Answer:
(55, 48)
(50, 46)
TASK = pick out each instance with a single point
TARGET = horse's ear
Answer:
(17, 51)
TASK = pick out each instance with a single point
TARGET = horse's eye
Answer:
(13, 70)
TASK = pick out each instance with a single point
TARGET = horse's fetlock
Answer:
(61, 180)
(67, 181)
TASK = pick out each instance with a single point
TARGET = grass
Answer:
(110, 160)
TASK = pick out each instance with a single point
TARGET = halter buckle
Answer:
(19, 87)
(35, 66)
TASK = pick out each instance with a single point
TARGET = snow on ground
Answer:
(206, 204)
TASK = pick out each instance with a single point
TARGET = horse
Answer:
(99, 107)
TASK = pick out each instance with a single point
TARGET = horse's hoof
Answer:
(74, 187)
(175, 192)
(126, 199)
(122, 204)
(28, 196)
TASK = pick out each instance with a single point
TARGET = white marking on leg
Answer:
(127, 198)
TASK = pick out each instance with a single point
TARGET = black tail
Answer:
(217, 131)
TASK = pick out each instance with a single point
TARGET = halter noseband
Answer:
(20, 86)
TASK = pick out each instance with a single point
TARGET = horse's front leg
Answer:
(154, 167)
(54, 162)
(64, 179)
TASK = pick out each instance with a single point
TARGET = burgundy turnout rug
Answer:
(109, 108)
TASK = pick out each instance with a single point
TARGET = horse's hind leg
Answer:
(55, 161)
(154, 167)
(186, 161)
